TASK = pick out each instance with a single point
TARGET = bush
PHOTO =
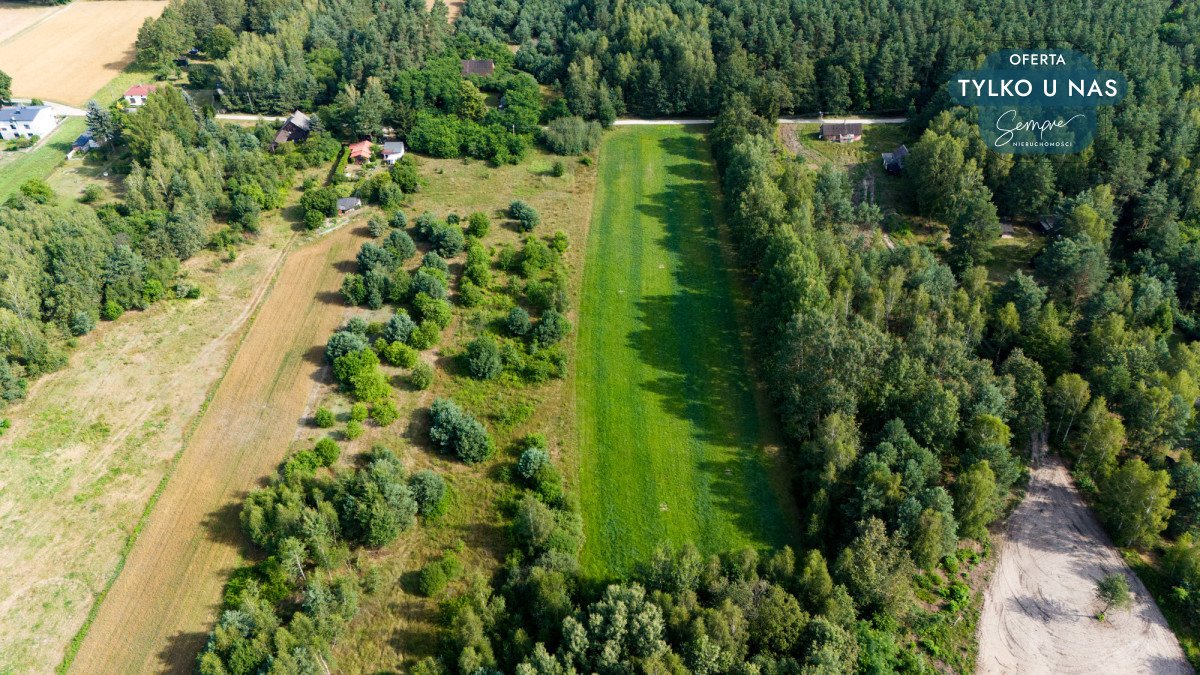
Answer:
(552, 328)
(483, 358)
(518, 322)
(525, 215)
(558, 169)
(430, 309)
(455, 431)
(429, 282)
(470, 295)
(448, 240)
(385, 413)
(342, 343)
(324, 418)
(82, 323)
(399, 220)
(422, 375)
(91, 194)
(438, 574)
(399, 354)
(111, 311)
(5, 425)
(358, 412)
(478, 224)
(399, 328)
(354, 289)
(532, 461)
(354, 429)
(327, 451)
(432, 260)
(425, 336)
(571, 135)
(429, 489)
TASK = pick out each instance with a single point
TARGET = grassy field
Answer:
(673, 440)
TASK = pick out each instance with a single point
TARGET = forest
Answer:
(910, 388)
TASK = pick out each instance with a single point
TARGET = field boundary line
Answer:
(77, 641)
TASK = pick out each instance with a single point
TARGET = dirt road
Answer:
(158, 613)
(1039, 609)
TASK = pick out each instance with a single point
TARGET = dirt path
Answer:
(158, 613)
(1038, 613)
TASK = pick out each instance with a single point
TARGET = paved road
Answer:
(60, 109)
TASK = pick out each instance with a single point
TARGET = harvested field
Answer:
(18, 16)
(1039, 609)
(93, 42)
(91, 443)
(159, 611)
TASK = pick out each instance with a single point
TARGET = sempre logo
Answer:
(1038, 101)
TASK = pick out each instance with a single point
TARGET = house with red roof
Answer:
(136, 95)
(360, 152)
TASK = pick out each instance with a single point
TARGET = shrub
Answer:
(435, 310)
(478, 224)
(385, 413)
(313, 219)
(82, 323)
(448, 240)
(432, 260)
(558, 169)
(518, 322)
(470, 295)
(342, 343)
(425, 336)
(354, 289)
(422, 375)
(483, 358)
(354, 429)
(399, 220)
(559, 243)
(430, 282)
(456, 431)
(426, 224)
(91, 194)
(376, 226)
(112, 311)
(327, 451)
(358, 412)
(532, 461)
(399, 354)
(399, 327)
(438, 574)
(5, 425)
(429, 489)
(526, 216)
(478, 267)
(571, 135)
(324, 418)
(552, 328)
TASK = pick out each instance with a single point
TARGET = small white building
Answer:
(393, 151)
(136, 95)
(24, 121)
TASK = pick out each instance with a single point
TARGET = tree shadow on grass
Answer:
(179, 656)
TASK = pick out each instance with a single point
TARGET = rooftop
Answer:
(141, 90)
(21, 113)
(393, 147)
(478, 66)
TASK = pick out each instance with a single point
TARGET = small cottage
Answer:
(136, 95)
(893, 162)
(842, 132)
(348, 204)
(360, 152)
(294, 130)
(393, 151)
(480, 67)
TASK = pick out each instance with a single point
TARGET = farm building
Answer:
(294, 130)
(393, 151)
(136, 95)
(893, 162)
(482, 67)
(360, 152)
(25, 121)
(842, 132)
(348, 204)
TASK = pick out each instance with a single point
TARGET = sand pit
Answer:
(1040, 606)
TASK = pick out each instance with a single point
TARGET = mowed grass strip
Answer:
(672, 441)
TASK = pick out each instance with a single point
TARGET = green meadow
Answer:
(674, 444)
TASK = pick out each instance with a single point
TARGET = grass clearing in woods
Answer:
(674, 442)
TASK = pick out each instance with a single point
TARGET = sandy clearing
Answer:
(1039, 608)
(159, 611)
(91, 442)
(453, 7)
(91, 42)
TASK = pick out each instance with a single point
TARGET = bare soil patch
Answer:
(1040, 607)
(159, 611)
(92, 441)
(73, 52)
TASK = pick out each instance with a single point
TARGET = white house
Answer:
(136, 95)
(23, 121)
(393, 151)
